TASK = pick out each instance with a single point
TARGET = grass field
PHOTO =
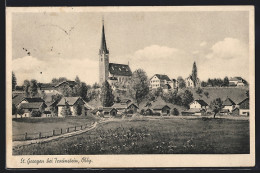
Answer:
(152, 136)
(36, 125)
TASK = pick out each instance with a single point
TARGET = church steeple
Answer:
(103, 47)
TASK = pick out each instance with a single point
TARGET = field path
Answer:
(28, 142)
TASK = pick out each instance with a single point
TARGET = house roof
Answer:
(244, 104)
(228, 102)
(46, 86)
(108, 109)
(201, 102)
(70, 83)
(35, 105)
(17, 99)
(162, 77)
(159, 107)
(70, 100)
(33, 99)
(120, 69)
(235, 79)
(119, 106)
(125, 100)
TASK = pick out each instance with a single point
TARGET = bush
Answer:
(36, 113)
(206, 94)
(175, 112)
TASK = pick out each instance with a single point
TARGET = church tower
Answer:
(103, 58)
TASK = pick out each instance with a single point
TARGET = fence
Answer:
(55, 132)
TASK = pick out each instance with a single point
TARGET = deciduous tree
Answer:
(216, 106)
(181, 82)
(187, 98)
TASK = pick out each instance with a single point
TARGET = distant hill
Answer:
(236, 94)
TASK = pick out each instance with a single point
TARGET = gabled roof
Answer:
(119, 106)
(46, 86)
(125, 100)
(108, 109)
(34, 99)
(70, 83)
(228, 102)
(201, 102)
(162, 77)
(244, 104)
(235, 79)
(35, 105)
(159, 107)
(70, 100)
(120, 69)
(17, 99)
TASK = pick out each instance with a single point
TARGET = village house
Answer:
(237, 81)
(159, 81)
(190, 84)
(244, 107)
(130, 108)
(201, 104)
(47, 87)
(229, 105)
(162, 109)
(29, 107)
(109, 111)
(73, 103)
(30, 100)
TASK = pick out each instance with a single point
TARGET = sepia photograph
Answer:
(130, 86)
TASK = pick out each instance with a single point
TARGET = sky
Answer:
(67, 44)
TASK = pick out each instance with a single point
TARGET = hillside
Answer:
(236, 94)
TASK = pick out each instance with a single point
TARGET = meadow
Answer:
(152, 136)
(44, 125)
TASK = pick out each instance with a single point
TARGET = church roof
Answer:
(120, 69)
(103, 47)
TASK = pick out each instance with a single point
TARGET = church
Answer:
(112, 72)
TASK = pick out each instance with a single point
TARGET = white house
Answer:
(201, 104)
(237, 81)
(159, 80)
(244, 107)
(190, 84)
(72, 103)
(229, 104)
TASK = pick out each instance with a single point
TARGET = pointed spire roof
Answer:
(103, 47)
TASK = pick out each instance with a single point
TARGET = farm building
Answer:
(162, 109)
(109, 111)
(224, 112)
(30, 100)
(244, 107)
(229, 104)
(47, 87)
(131, 108)
(199, 104)
(28, 108)
(148, 111)
(235, 112)
(237, 81)
(159, 81)
(74, 104)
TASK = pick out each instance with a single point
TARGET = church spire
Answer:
(103, 47)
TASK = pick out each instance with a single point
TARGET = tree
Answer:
(95, 85)
(206, 93)
(194, 74)
(187, 98)
(216, 105)
(26, 85)
(65, 111)
(36, 113)
(175, 111)
(107, 97)
(139, 85)
(203, 84)
(181, 82)
(14, 109)
(199, 91)
(226, 81)
(56, 98)
(58, 80)
(14, 82)
(33, 88)
(78, 109)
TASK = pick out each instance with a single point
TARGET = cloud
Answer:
(229, 48)
(32, 68)
(202, 44)
(195, 52)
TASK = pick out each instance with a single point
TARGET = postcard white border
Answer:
(134, 161)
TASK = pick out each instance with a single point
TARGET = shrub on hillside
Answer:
(175, 112)
(36, 113)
